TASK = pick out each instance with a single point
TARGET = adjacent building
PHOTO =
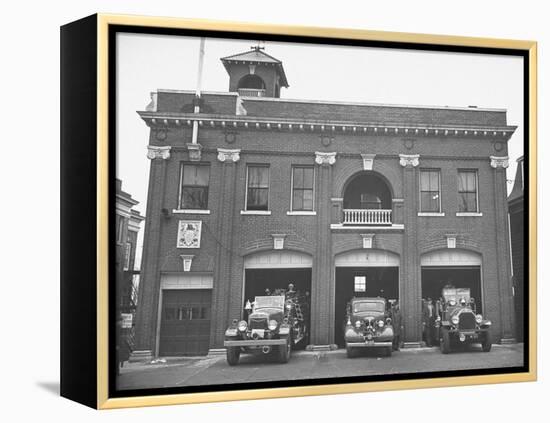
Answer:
(338, 198)
(127, 226)
(517, 238)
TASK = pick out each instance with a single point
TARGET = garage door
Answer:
(185, 322)
(451, 257)
(278, 260)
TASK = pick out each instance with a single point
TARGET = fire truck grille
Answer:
(258, 323)
(467, 321)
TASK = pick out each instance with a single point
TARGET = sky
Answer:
(146, 63)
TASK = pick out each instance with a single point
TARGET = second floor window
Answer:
(194, 186)
(257, 188)
(119, 229)
(430, 192)
(302, 188)
(127, 255)
(467, 191)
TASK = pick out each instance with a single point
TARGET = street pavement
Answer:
(196, 371)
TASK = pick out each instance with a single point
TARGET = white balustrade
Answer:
(367, 217)
(251, 92)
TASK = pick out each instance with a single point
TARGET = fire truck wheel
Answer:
(388, 351)
(233, 354)
(445, 342)
(486, 344)
(351, 352)
(284, 351)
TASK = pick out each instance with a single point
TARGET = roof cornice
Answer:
(160, 119)
(127, 200)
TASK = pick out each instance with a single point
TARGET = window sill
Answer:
(469, 214)
(301, 213)
(430, 214)
(256, 212)
(190, 211)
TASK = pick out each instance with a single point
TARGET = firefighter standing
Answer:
(429, 319)
(397, 322)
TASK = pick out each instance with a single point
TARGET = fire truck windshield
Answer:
(274, 301)
(362, 306)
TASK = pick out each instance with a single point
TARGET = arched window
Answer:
(367, 190)
(367, 200)
(252, 82)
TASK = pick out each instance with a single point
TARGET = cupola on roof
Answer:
(255, 73)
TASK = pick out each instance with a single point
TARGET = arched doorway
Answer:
(457, 267)
(363, 273)
(367, 200)
(271, 270)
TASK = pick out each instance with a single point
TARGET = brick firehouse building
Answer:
(249, 191)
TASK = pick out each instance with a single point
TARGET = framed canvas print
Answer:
(254, 211)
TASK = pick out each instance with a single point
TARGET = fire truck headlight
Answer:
(358, 324)
(242, 326)
(272, 325)
(479, 319)
(231, 332)
(454, 320)
(380, 323)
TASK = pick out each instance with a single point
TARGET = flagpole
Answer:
(198, 92)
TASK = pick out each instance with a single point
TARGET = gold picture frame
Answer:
(103, 400)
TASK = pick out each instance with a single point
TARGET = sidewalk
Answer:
(193, 371)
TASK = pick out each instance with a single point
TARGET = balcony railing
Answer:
(367, 217)
(251, 92)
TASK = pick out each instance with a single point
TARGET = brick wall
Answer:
(178, 102)
(367, 113)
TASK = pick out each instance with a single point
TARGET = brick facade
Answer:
(283, 134)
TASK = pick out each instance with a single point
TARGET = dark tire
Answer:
(351, 352)
(233, 354)
(487, 343)
(445, 344)
(284, 351)
(388, 351)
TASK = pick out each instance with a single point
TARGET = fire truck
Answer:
(458, 323)
(276, 324)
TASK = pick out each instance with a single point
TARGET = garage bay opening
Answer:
(435, 278)
(362, 282)
(259, 282)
